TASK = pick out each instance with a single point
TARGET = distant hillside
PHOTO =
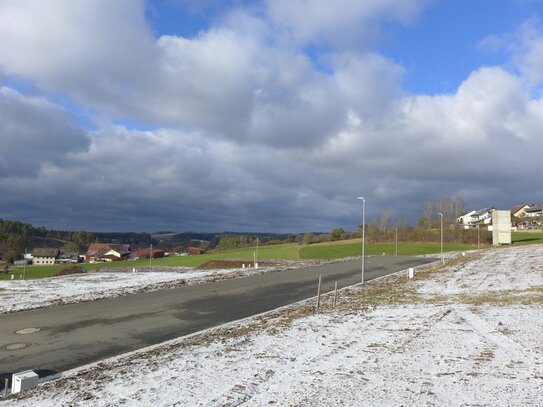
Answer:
(16, 237)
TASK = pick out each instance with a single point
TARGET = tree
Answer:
(428, 212)
(308, 238)
(384, 222)
(337, 233)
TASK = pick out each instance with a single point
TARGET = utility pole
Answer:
(363, 199)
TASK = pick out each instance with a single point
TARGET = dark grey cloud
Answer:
(247, 133)
(35, 133)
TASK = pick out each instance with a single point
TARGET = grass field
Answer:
(527, 237)
(293, 251)
(336, 251)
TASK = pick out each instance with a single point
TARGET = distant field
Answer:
(337, 251)
(292, 251)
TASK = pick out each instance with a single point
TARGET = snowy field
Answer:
(466, 334)
(18, 295)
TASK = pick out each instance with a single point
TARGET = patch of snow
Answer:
(452, 354)
(18, 295)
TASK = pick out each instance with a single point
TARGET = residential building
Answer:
(144, 253)
(482, 216)
(107, 252)
(534, 211)
(465, 219)
(44, 256)
(518, 211)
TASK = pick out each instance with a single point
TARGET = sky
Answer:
(269, 115)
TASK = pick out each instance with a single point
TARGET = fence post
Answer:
(319, 292)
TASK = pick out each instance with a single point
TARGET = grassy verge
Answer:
(336, 251)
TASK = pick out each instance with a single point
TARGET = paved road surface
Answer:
(77, 334)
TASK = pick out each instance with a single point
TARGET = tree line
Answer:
(15, 237)
(384, 230)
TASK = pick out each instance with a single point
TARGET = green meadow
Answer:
(292, 251)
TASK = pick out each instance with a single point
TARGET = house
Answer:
(466, 220)
(68, 258)
(518, 211)
(482, 216)
(534, 214)
(144, 253)
(534, 211)
(44, 256)
(195, 251)
(107, 252)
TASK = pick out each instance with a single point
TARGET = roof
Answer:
(535, 208)
(484, 210)
(145, 252)
(119, 248)
(45, 252)
(96, 247)
(518, 208)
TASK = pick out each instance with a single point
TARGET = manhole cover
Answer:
(27, 331)
(16, 346)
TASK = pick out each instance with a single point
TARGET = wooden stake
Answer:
(319, 292)
(335, 295)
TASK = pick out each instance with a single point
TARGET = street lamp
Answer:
(150, 256)
(256, 254)
(442, 258)
(363, 235)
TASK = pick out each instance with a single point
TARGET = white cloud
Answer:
(249, 132)
(341, 22)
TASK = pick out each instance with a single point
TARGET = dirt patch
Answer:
(71, 270)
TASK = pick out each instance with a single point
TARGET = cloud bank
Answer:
(275, 118)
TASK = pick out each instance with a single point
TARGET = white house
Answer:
(44, 256)
(465, 219)
(483, 216)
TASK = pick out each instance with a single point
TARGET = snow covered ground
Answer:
(465, 334)
(18, 295)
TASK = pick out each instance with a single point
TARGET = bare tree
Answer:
(428, 212)
(384, 222)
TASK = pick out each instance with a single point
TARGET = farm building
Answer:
(44, 256)
(195, 251)
(107, 252)
(144, 253)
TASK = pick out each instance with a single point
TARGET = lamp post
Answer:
(363, 235)
(256, 255)
(441, 216)
(150, 256)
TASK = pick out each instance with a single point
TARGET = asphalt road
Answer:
(73, 335)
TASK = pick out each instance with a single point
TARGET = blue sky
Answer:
(264, 115)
